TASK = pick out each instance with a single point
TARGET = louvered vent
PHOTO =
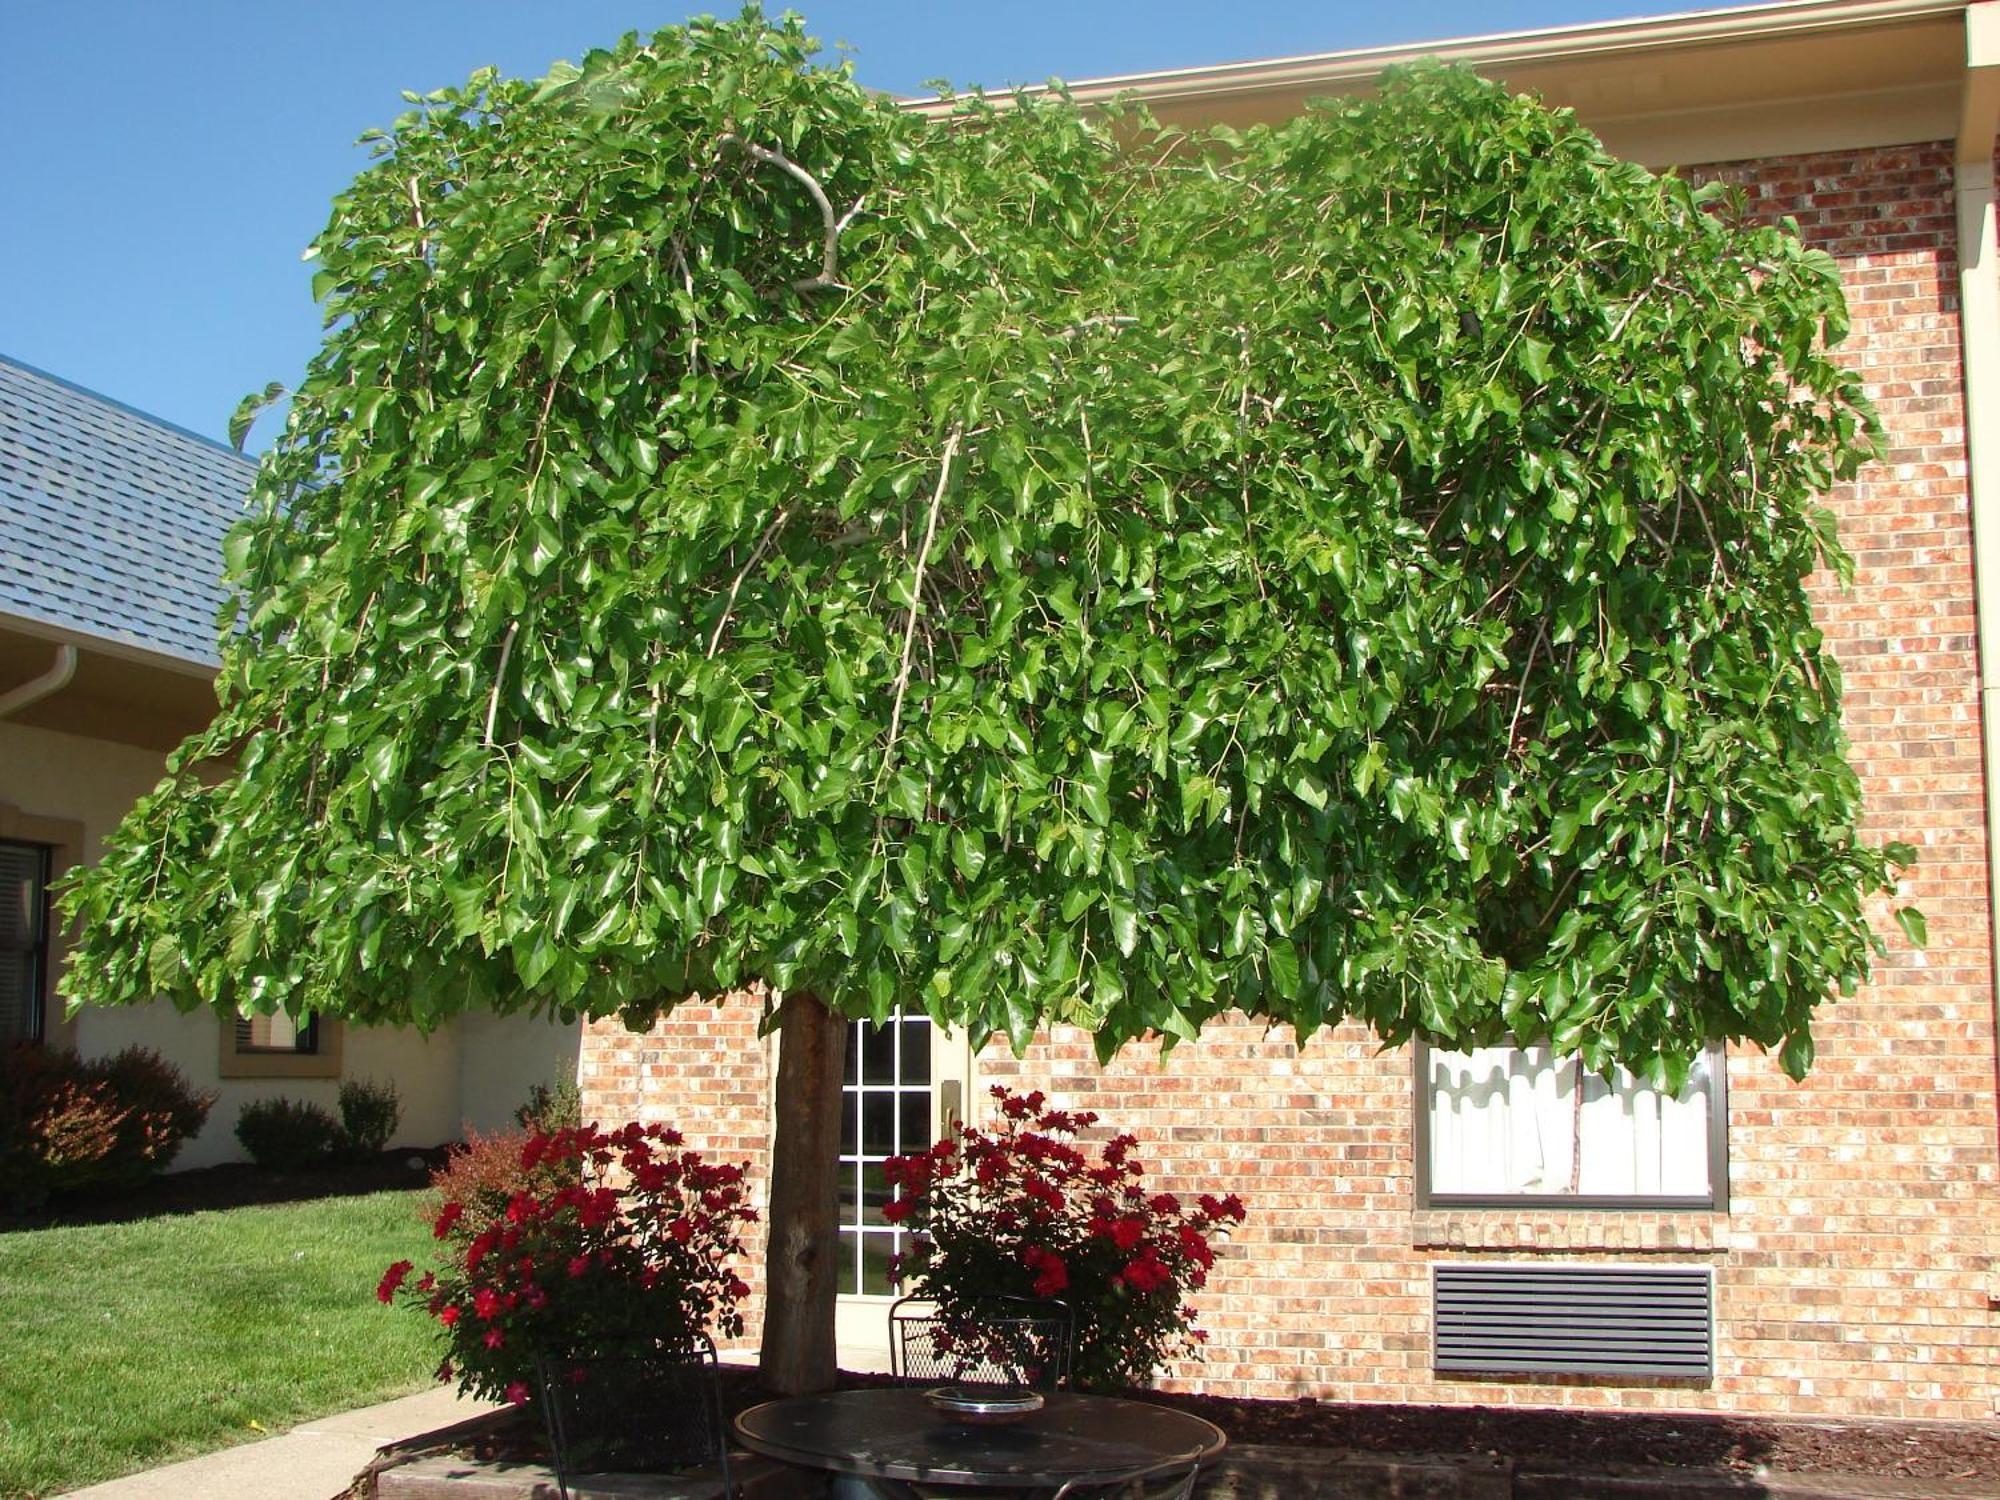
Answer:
(1574, 1320)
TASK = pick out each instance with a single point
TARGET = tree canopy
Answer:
(1027, 566)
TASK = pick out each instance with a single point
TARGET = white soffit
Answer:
(1699, 87)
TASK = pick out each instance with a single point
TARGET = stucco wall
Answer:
(475, 1071)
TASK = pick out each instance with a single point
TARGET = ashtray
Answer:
(985, 1404)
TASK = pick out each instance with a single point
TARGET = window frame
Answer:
(324, 1061)
(63, 838)
(1716, 1200)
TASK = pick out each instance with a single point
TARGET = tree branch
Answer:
(1521, 693)
(916, 593)
(729, 604)
(828, 278)
(499, 676)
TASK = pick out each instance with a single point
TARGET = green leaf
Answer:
(1914, 927)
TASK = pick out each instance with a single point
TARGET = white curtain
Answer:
(1506, 1120)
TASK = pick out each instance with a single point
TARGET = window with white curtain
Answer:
(1501, 1125)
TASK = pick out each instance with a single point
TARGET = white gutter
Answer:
(35, 689)
(102, 645)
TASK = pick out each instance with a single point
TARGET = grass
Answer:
(131, 1345)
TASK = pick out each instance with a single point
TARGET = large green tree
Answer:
(1029, 567)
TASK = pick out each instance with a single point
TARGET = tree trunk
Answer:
(802, 1258)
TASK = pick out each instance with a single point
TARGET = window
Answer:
(24, 939)
(279, 1035)
(1513, 1127)
(280, 1046)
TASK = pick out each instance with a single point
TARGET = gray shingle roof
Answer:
(111, 521)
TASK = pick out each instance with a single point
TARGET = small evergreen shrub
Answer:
(286, 1134)
(552, 1107)
(369, 1115)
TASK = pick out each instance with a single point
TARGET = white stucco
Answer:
(502, 1057)
(475, 1071)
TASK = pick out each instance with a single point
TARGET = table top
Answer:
(894, 1433)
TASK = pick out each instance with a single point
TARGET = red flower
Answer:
(450, 1314)
(448, 1215)
(486, 1303)
(517, 1392)
(495, 1338)
(1051, 1274)
(579, 1264)
(898, 1209)
(385, 1290)
(1146, 1274)
(1126, 1233)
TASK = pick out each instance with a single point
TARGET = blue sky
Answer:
(165, 161)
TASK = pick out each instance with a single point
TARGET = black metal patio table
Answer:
(894, 1433)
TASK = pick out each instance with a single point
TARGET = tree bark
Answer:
(802, 1256)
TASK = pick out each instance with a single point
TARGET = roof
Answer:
(111, 521)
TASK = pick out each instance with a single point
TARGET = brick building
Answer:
(1820, 1247)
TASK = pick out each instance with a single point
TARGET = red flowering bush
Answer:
(618, 1239)
(1023, 1211)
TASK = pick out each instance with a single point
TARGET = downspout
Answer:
(1979, 338)
(35, 689)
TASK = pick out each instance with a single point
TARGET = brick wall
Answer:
(1856, 1260)
(706, 1072)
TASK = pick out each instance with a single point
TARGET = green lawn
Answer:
(123, 1346)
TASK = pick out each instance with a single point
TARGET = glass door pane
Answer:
(889, 1108)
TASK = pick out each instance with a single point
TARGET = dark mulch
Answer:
(1533, 1438)
(235, 1185)
(1542, 1438)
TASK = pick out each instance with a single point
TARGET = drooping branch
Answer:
(917, 591)
(828, 278)
(729, 604)
(499, 678)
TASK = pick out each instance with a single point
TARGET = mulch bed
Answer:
(1540, 1438)
(1533, 1438)
(235, 1185)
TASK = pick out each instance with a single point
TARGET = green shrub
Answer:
(369, 1115)
(164, 1112)
(285, 1134)
(552, 1107)
(68, 1125)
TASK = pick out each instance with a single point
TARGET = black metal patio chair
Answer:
(1000, 1341)
(646, 1412)
(1172, 1480)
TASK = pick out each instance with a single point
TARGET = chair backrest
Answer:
(996, 1341)
(1172, 1479)
(634, 1412)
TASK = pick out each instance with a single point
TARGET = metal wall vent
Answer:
(1493, 1319)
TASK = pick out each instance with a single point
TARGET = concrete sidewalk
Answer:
(314, 1461)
